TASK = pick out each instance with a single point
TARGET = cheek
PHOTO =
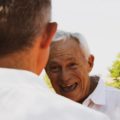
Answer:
(55, 86)
(82, 79)
(83, 85)
(53, 78)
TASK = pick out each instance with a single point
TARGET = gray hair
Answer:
(21, 21)
(62, 35)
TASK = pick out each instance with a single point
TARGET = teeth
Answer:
(68, 88)
(64, 86)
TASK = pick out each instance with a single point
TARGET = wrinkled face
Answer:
(67, 69)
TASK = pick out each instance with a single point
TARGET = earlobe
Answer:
(91, 62)
(48, 35)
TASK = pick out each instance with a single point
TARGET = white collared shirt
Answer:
(22, 98)
(105, 99)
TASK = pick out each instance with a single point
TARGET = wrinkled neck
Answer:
(18, 61)
(93, 84)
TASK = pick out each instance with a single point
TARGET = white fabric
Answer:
(22, 98)
(105, 99)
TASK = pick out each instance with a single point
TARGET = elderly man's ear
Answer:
(48, 34)
(90, 62)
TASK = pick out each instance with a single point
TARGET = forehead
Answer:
(65, 49)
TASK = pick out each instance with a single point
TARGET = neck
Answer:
(18, 61)
(93, 84)
(86, 92)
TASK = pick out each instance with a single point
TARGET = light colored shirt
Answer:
(105, 99)
(22, 98)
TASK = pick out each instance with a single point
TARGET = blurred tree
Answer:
(115, 69)
(115, 73)
(115, 84)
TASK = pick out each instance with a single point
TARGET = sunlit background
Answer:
(98, 21)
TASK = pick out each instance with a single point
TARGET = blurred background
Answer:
(98, 21)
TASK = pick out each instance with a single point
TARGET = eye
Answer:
(73, 65)
(54, 68)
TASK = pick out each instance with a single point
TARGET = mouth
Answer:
(68, 88)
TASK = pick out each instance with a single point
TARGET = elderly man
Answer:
(25, 36)
(68, 68)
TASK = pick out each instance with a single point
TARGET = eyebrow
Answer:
(52, 62)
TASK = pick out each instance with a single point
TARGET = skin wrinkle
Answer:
(61, 72)
(84, 85)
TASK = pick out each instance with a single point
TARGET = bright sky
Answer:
(98, 21)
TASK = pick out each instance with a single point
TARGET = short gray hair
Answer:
(63, 35)
(21, 21)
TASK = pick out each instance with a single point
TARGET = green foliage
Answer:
(118, 56)
(115, 73)
(115, 69)
(47, 81)
(115, 84)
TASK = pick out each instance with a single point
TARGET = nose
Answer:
(65, 76)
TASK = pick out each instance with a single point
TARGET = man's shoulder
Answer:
(24, 98)
(62, 108)
(31, 102)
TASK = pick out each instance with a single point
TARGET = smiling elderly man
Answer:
(68, 68)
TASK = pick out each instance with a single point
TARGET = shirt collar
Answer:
(98, 95)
